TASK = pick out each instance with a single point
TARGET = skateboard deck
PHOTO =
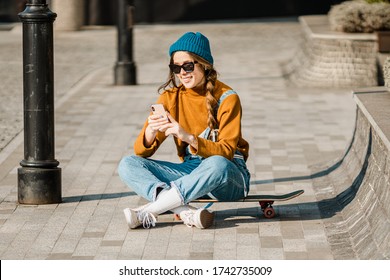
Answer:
(266, 201)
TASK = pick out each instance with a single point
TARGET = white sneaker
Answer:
(136, 218)
(200, 218)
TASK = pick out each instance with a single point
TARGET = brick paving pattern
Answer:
(290, 129)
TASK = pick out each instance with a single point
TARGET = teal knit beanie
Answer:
(195, 43)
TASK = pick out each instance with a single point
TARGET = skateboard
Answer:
(266, 201)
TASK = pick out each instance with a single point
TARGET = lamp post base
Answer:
(125, 73)
(39, 185)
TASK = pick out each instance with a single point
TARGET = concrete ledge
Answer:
(333, 59)
(375, 105)
(354, 200)
(318, 27)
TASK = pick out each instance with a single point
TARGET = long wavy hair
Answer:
(210, 75)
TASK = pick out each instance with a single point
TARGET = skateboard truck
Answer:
(268, 209)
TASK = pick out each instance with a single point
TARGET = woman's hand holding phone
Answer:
(158, 118)
(162, 121)
(156, 122)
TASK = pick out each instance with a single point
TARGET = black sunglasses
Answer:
(188, 67)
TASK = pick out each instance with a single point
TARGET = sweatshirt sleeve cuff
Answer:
(201, 146)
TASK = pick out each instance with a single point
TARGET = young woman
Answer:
(204, 117)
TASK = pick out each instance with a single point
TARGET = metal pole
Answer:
(125, 69)
(39, 178)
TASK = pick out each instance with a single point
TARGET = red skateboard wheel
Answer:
(269, 212)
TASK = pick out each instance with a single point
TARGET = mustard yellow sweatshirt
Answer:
(189, 109)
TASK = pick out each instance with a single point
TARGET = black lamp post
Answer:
(125, 69)
(39, 178)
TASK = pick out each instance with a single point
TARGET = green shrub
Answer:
(360, 16)
(377, 1)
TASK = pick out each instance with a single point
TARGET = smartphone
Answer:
(158, 109)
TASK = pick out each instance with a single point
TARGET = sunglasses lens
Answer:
(175, 68)
(188, 67)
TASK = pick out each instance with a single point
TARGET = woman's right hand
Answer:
(155, 123)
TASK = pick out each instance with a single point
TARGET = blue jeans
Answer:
(196, 177)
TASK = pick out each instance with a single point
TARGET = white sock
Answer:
(165, 201)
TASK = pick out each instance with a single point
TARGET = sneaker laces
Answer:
(188, 217)
(147, 219)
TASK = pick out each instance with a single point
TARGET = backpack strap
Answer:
(220, 100)
(223, 97)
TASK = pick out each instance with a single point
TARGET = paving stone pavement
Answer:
(289, 130)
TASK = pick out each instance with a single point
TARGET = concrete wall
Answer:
(333, 59)
(354, 199)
